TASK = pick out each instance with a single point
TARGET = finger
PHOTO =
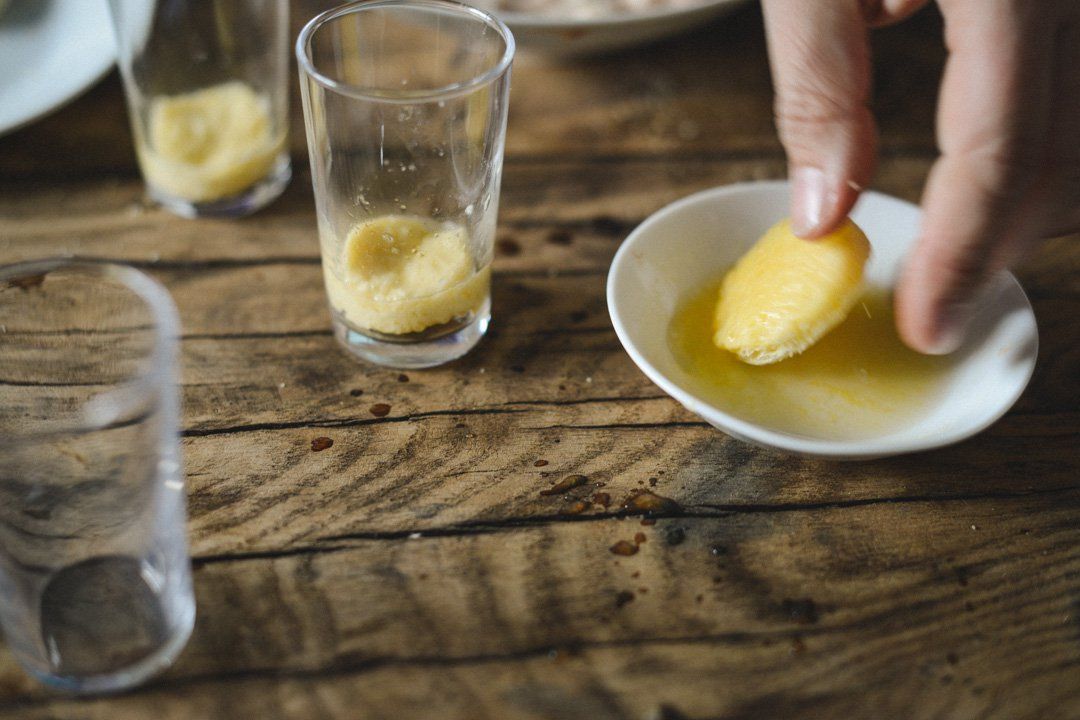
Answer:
(879, 13)
(978, 205)
(821, 70)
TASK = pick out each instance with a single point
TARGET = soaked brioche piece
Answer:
(786, 293)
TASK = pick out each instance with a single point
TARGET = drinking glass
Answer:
(405, 105)
(206, 88)
(95, 580)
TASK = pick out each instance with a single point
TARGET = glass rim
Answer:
(307, 67)
(166, 326)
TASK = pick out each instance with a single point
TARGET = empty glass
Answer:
(405, 105)
(95, 581)
(206, 88)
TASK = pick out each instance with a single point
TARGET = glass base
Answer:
(132, 675)
(432, 347)
(251, 200)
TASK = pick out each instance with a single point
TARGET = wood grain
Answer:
(816, 605)
(560, 215)
(420, 564)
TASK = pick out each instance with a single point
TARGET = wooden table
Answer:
(418, 568)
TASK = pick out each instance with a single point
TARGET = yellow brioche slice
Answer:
(404, 274)
(403, 257)
(210, 143)
(786, 293)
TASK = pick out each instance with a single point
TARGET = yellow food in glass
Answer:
(209, 144)
(858, 382)
(399, 274)
(785, 293)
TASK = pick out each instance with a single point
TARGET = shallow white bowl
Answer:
(50, 52)
(687, 244)
(572, 37)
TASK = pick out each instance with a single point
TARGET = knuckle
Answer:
(804, 102)
(804, 113)
(807, 117)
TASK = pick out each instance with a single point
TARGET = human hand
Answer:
(1008, 128)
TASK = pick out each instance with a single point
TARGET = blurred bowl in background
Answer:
(50, 52)
(573, 36)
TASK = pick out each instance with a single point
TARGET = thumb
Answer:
(820, 59)
(984, 203)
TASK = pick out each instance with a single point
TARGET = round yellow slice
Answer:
(786, 293)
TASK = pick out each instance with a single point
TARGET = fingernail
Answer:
(951, 331)
(808, 206)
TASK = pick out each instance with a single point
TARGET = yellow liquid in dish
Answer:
(209, 144)
(858, 382)
(400, 274)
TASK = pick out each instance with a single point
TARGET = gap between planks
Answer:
(770, 153)
(238, 263)
(704, 511)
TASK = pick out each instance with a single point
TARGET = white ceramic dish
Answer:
(50, 51)
(576, 36)
(685, 245)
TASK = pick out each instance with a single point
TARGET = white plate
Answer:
(571, 36)
(50, 51)
(676, 251)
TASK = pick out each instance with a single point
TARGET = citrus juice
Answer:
(859, 381)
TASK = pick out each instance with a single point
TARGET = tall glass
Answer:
(207, 92)
(95, 581)
(405, 105)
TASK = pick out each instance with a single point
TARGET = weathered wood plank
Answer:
(302, 376)
(266, 491)
(956, 609)
(593, 201)
(706, 93)
(550, 340)
(603, 684)
(568, 215)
